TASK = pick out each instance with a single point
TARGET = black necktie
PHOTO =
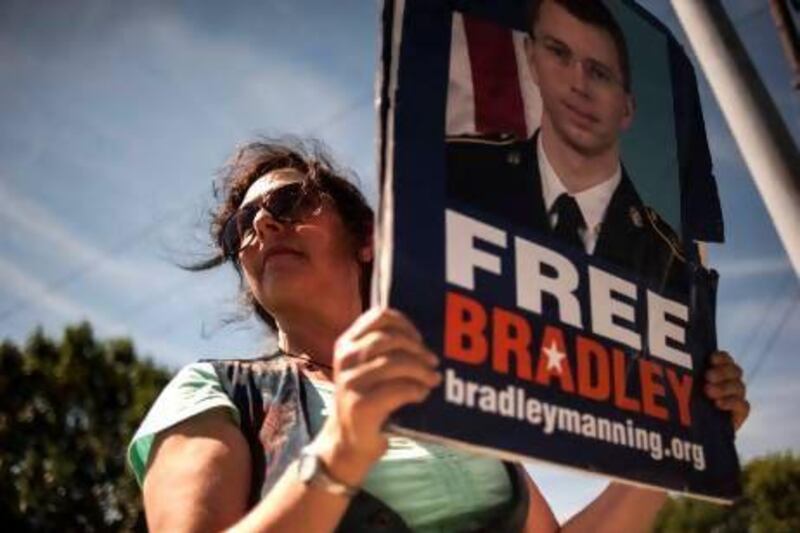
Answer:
(569, 220)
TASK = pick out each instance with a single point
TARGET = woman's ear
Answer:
(367, 252)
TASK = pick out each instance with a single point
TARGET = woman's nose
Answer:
(264, 224)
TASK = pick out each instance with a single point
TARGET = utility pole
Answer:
(763, 139)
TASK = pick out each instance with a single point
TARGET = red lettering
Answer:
(682, 387)
(621, 398)
(511, 334)
(465, 322)
(652, 388)
(593, 360)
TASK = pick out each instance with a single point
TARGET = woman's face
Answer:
(308, 265)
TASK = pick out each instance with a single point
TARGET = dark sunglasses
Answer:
(289, 204)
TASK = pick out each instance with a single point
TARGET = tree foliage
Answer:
(67, 411)
(770, 502)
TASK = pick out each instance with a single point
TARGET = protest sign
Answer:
(583, 346)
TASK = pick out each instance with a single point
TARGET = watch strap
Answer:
(313, 472)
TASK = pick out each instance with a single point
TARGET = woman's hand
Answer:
(724, 386)
(380, 364)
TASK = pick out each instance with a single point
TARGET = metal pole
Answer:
(788, 36)
(760, 133)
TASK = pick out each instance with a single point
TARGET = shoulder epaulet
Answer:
(499, 139)
(665, 233)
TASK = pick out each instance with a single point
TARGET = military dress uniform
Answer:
(500, 175)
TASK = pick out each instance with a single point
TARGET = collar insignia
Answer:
(636, 217)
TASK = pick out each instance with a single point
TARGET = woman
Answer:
(286, 442)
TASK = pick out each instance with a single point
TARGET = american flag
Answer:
(491, 90)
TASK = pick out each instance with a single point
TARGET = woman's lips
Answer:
(281, 251)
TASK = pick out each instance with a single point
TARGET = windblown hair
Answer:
(594, 13)
(311, 159)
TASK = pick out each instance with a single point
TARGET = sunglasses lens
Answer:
(282, 203)
(237, 227)
(287, 204)
(292, 203)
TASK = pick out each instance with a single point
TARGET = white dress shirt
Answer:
(593, 202)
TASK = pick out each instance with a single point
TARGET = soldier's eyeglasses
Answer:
(288, 204)
(598, 74)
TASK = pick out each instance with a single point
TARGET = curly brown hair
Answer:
(311, 159)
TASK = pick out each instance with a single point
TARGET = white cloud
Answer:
(41, 226)
(266, 81)
(260, 83)
(770, 427)
(31, 290)
(742, 320)
(165, 71)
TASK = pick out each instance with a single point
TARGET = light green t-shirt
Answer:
(195, 389)
(432, 487)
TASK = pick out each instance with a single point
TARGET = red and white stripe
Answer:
(491, 90)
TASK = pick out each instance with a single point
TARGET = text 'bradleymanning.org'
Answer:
(515, 402)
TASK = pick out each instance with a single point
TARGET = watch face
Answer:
(307, 466)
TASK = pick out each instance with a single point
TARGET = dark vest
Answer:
(270, 397)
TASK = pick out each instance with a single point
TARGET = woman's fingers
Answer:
(738, 407)
(380, 318)
(724, 389)
(374, 343)
(388, 367)
(725, 370)
(380, 364)
(724, 385)
(388, 396)
(721, 356)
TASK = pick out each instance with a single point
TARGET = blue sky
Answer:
(116, 117)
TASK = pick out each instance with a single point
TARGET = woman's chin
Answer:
(285, 286)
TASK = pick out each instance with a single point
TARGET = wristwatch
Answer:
(313, 472)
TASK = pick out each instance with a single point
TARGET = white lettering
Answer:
(550, 413)
(506, 401)
(659, 329)
(462, 257)
(534, 411)
(453, 388)
(531, 281)
(605, 307)
(488, 399)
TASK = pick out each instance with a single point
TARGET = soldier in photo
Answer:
(567, 180)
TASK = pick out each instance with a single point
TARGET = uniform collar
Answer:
(593, 202)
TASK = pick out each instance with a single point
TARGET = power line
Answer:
(764, 319)
(83, 269)
(126, 244)
(793, 305)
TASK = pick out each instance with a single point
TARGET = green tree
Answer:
(67, 411)
(770, 502)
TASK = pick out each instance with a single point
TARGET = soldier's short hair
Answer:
(594, 13)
